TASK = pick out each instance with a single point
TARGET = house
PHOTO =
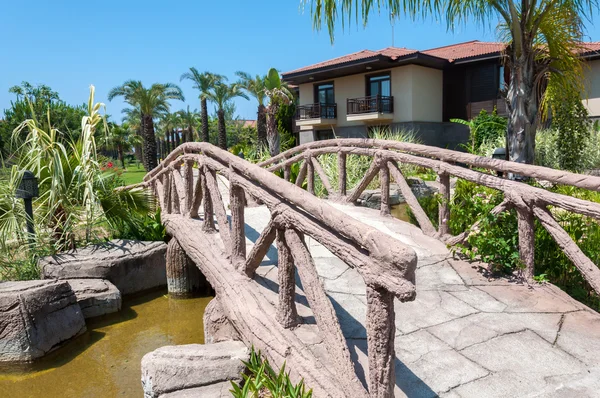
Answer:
(411, 89)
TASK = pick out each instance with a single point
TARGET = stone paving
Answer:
(465, 335)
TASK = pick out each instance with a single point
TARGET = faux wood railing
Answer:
(386, 265)
(530, 202)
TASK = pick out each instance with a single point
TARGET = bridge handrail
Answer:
(386, 265)
(529, 201)
(445, 155)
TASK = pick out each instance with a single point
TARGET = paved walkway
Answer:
(465, 335)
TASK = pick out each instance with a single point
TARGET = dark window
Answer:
(379, 85)
(325, 135)
(324, 93)
(483, 83)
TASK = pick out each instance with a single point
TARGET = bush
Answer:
(487, 132)
(140, 227)
(263, 381)
(496, 241)
(554, 150)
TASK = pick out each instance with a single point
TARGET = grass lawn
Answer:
(133, 175)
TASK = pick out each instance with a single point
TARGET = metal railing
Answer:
(372, 104)
(316, 111)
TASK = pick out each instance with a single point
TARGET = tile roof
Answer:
(391, 52)
(468, 49)
(450, 53)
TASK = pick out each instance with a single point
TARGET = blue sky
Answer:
(69, 44)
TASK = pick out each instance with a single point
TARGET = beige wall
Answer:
(417, 91)
(592, 85)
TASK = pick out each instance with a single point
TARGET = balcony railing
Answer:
(375, 103)
(316, 111)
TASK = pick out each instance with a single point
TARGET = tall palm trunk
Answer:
(222, 129)
(150, 161)
(204, 117)
(522, 102)
(177, 137)
(190, 134)
(261, 126)
(272, 133)
(120, 154)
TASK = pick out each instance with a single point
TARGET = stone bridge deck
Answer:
(465, 335)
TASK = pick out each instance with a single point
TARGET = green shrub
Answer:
(496, 241)
(263, 381)
(139, 227)
(487, 132)
(554, 150)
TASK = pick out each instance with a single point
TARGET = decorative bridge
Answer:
(360, 304)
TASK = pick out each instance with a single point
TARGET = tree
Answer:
(169, 123)
(543, 40)
(221, 94)
(278, 93)
(150, 102)
(39, 102)
(203, 82)
(189, 121)
(122, 138)
(256, 88)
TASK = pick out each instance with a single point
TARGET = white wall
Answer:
(592, 85)
(417, 91)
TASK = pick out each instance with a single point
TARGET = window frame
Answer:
(316, 91)
(378, 74)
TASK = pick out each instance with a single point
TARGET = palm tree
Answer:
(133, 119)
(168, 123)
(543, 40)
(122, 138)
(203, 82)
(189, 119)
(256, 88)
(220, 95)
(150, 102)
(278, 93)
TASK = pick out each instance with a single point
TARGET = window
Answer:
(325, 135)
(325, 97)
(501, 79)
(379, 85)
(324, 93)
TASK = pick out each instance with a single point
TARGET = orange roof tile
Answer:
(468, 49)
(391, 52)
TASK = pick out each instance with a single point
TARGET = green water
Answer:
(105, 362)
(400, 212)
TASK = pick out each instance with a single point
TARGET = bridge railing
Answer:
(386, 265)
(530, 202)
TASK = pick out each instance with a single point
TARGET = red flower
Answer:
(109, 165)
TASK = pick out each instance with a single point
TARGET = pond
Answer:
(400, 212)
(106, 361)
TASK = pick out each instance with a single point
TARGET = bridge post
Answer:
(238, 234)
(444, 211)
(384, 176)
(342, 173)
(310, 175)
(526, 240)
(183, 277)
(380, 339)
(209, 220)
(286, 275)
(287, 171)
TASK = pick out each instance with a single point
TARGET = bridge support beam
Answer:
(380, 339)
(184, 279)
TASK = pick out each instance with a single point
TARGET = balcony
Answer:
(316, 114)
(376, 107)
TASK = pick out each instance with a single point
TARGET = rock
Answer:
(371, 198)
(132, 266)
(96, 296)
(218, 390)
(35, 318)
(173, 368)
(217, 327)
